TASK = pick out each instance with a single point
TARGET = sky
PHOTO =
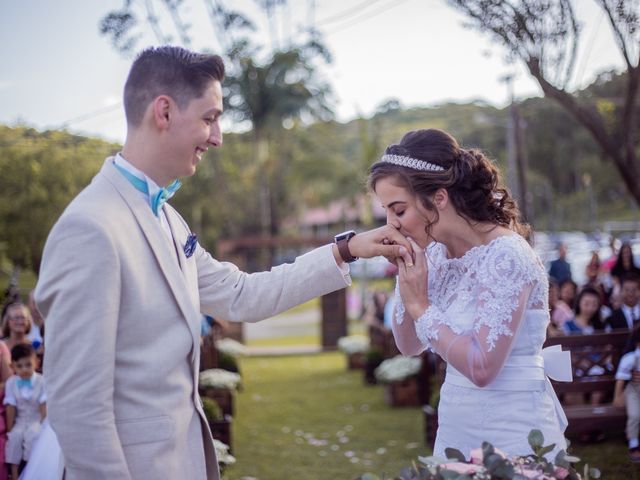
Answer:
(59, 72)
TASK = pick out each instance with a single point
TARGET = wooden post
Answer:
(334, 318)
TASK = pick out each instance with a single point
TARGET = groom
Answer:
(123, 284)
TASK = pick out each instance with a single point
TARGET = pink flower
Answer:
(476, 456)
(528, 473)
(462, 468)
(561, 472)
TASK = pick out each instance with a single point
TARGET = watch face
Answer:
(348, 234)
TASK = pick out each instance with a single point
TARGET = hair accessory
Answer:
(409, 162)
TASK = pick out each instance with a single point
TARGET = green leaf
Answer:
(500, 468)
(561, 459)
(449, 475)
(544, 450)
(454, 454)
(536, 439)
(487, 449)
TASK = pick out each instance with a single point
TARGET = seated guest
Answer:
(559, 310)
(587, 319)
(568, 292)
(625, 264)
(628, 314)
(16, 325)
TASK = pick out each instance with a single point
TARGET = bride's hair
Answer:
(473, 183)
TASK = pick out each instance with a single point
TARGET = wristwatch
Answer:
(342, 241)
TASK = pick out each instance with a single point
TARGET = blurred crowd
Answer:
(608, 300)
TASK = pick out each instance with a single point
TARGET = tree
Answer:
(41, 173)
(544, 34)
(268, 91)
(269, 95)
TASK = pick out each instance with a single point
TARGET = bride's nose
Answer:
(392, 220)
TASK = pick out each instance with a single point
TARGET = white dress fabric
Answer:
(487, 319)
(45, 462)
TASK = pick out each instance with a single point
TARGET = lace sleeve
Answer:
(496, 293)
(402, 325)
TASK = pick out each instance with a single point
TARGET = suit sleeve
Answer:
(78, 293)
(228, 293)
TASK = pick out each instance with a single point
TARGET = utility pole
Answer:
(516, 163)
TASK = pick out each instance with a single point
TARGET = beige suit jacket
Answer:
(122, 306)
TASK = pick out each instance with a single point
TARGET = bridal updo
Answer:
(473, 182)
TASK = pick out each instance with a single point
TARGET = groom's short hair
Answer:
(168, 70)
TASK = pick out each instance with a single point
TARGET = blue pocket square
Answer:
(190, 245)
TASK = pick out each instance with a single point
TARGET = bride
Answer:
(473, 291)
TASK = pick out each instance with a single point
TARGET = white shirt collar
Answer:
(153, 186)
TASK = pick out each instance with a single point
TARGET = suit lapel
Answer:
(158, 242)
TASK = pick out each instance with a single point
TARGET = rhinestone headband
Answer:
(409, 162)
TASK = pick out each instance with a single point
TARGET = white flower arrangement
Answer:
(397, 368)
(218, 378)
(353, 344)
(222, 453)
(231, 347)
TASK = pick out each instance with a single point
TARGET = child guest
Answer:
(26, 407)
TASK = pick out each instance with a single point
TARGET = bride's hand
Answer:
(413, 280)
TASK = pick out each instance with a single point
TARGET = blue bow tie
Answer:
(22, 383)
(160, 197)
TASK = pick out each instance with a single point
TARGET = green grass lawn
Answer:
(308, 418)
(355, 327)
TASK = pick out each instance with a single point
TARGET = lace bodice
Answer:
(478, 303)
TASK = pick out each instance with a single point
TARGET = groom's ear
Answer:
(161, 111)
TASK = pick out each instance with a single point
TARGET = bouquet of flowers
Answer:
(397, 368)
(231, 347)
(489, 463)
(353, 344)
(218, 378)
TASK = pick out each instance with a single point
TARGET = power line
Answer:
(386, 7)
(90, 115)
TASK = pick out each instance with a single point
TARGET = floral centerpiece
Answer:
(231, 347)
(222, 454)
(400, 375)
(353, 344)
(397, 368)
(219, 385)
(489, 463)
(355, 347)
(219, 378)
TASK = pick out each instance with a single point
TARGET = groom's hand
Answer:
(385, 241)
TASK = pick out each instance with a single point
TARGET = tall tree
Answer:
(269, 95)
(544, 34)
(267, 91)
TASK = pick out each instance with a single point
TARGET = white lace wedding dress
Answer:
(488, 319)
